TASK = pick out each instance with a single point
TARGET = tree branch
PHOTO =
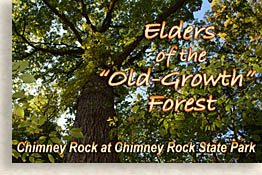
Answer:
(139, 38)
(41, 43)
(118, 26)
(91, 26)
(137, 56)
(128, 50)
(26, 55)
(54, 52)
(107, 21)
(65, 20)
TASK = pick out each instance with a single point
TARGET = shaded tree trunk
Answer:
(95, 105)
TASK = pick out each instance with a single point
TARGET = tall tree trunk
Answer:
(95, 105)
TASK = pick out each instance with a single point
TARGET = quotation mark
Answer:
(251, 73)
(104, 73)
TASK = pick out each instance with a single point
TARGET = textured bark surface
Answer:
(94, 107)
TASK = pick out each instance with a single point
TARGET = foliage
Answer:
(62, 43)
(238, 113)
(32, 117)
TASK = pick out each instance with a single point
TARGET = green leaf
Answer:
(51, 158)
(23, 65)
(23, 124)
(15, 142)
(135, 108)
(19, 111)
(39, 161)
(15, 154)
(34, 119)
(109, 119)
(165, 123)
(27, 78)
(141, 114)
(228, 107)
(42, 120)
(66, 138)
(32, 159)
(172, 131)
(15, 66)
(55, 140)
(53, 134)
(19, 94)
(218, 124)
(257, 68)
(36, 155)
(19, 66)
(212, 113)
(24, 156)
(162, 132)
(179, 116)
(42, 139)
(76, 132)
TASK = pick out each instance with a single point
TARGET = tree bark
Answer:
(95, 105)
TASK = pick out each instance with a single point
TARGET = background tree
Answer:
(240, 47)
(34, 116)
(238, 111)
